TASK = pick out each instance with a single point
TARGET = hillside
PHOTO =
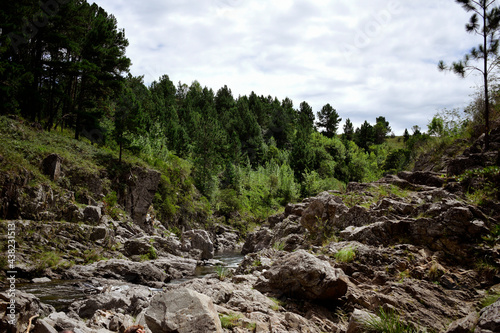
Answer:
(420, 249)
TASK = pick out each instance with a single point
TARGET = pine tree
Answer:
(329, 120)
(348, 130)
(485, 22)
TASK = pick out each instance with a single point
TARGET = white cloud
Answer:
(365, 58)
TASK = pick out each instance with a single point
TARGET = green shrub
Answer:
(223, 272)
(230, 321)
(346, 254)
(388, 322)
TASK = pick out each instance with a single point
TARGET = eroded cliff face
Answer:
(22, 197)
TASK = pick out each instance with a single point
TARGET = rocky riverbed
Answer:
(408, 249)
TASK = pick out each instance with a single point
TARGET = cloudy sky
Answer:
(367, 58)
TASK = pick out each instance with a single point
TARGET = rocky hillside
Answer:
(416, 252)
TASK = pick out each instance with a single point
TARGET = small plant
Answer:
(91, 256)
(346, 255)
(403, 275)
(256, 263)
(388, 322)
(223, 272)
(230, 321)
(46, 260)
(277, 304)
(280, 246)
(489, 299)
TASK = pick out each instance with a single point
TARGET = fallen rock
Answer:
(198, 244)
(51, 166)
(183, 311)
(142, 186)
(489, 320)
(92, 214)
(358, 320)
(300, 274)
(464, 325)
(25, 307)
(257, 241)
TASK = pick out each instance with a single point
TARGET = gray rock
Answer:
(142, 185)
(41, 280)
(257, 241)
(26, 306)
(464, 325)
(168, 245)
(125, 270)
(422, 178)
(51, 166)
(358, 321)
(137, 246)
(183, 311)
(198, 240)
(99, 233)
(42, 326)
(489, 320)
(301, 274)
(176, 267)
(92, 214)
(63, 322)
(130, 300)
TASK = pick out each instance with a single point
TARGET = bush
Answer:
(346, 254)
(388, 322)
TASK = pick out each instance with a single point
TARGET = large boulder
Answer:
(257, 241)
(142, 186)
(176, 267)
(300, 274)
(489, 321)
(137, 246)
(51, 166)
(92, 214)
(16, 320)
(183, 311)
(198, 244)
(125, 299)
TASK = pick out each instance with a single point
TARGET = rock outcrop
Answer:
(142, 185)
(182, 310)
(302, 275)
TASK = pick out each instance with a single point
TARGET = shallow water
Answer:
(58, 293)
(61, 293)
(229, 260)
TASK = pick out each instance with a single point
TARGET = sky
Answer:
(366, 58)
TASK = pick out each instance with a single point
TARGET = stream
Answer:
(61, 293)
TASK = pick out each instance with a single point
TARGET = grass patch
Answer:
(489, 299)
(372, 195)
(347, 254)
(151, 255)
(48, 259)
(223, 272)
(91, 256)
(277, 304)
(388, 322)
(280, 246)
(230, 321)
